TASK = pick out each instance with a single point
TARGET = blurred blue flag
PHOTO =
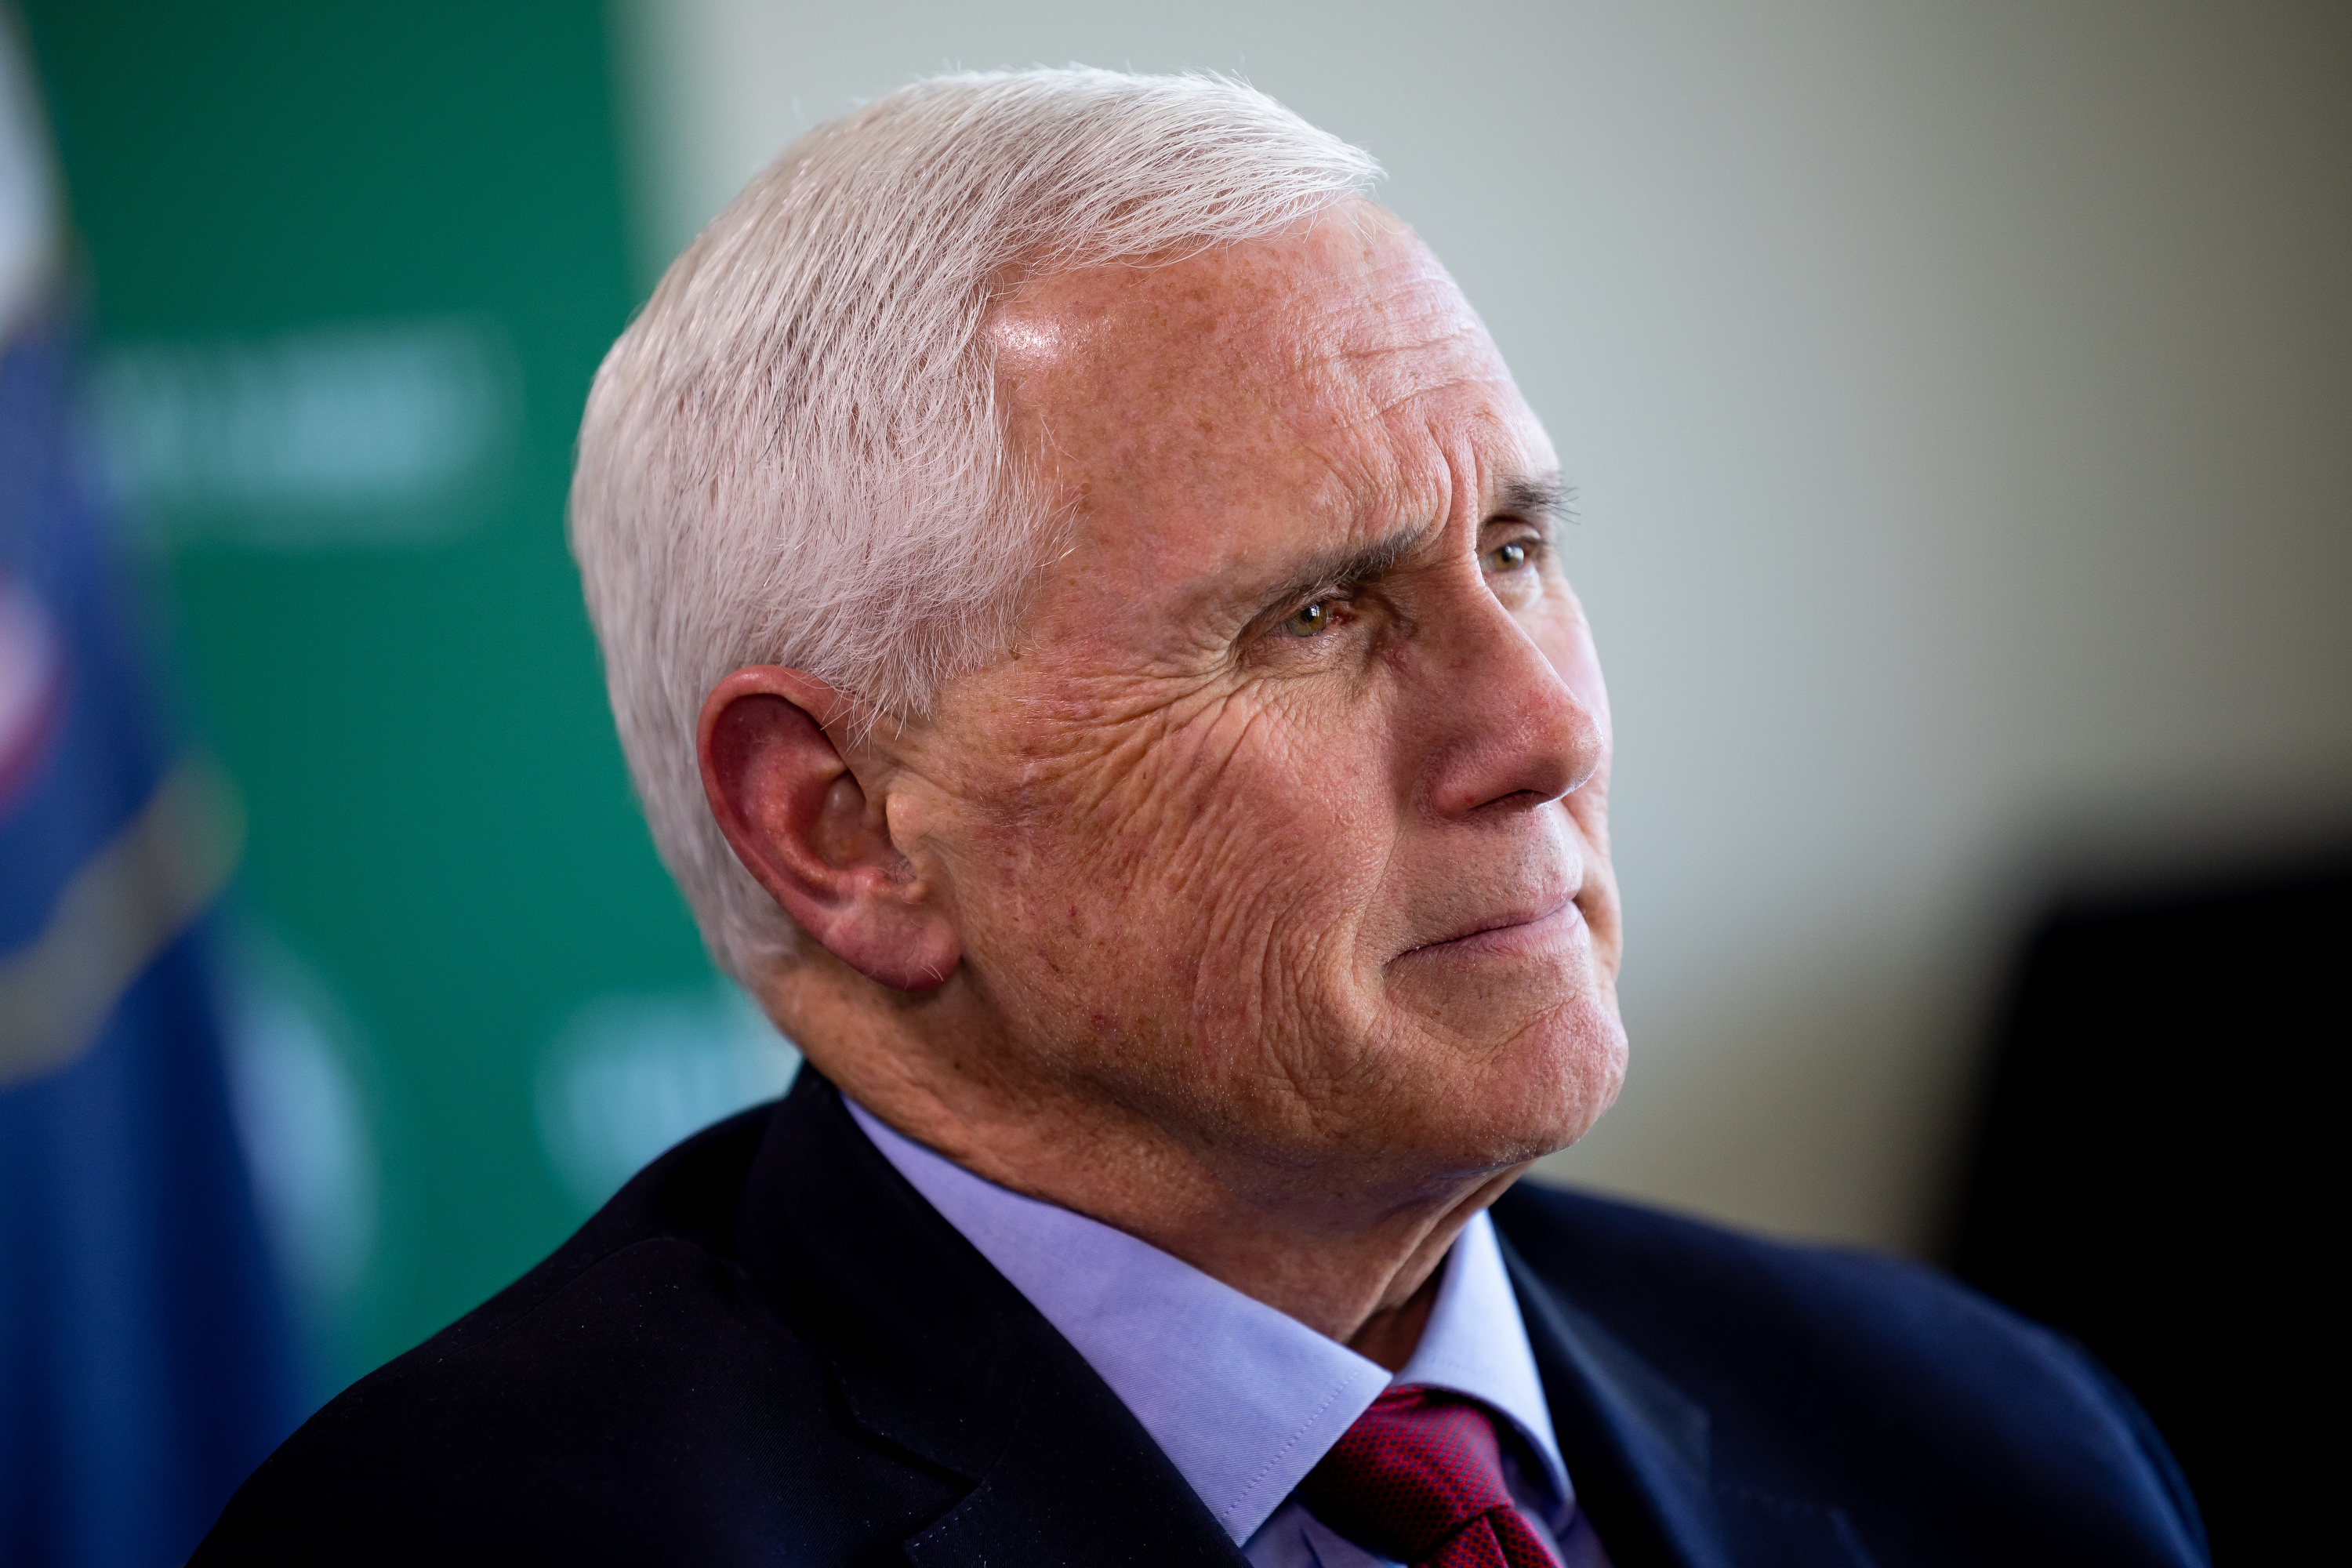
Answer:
(146, 1358)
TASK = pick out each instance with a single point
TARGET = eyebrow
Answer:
(1538, 498)
(1332, 570)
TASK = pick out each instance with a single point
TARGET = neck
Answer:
(1349, 1246)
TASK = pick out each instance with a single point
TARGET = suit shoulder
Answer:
(1667, 1276)
(1832, 1368)
(668, 1231)
(1572, 1234)
(579, 1401)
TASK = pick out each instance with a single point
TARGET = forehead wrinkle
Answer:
(1372, 474)
(1364, 536)
(1367, 383)
(1468, 434)
(1314, 421)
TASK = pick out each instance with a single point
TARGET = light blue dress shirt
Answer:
(1244, 1400)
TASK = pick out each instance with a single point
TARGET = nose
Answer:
(1505, 730)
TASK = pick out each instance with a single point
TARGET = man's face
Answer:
(1284, 824)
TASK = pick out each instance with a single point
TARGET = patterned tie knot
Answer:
(1419, 1478)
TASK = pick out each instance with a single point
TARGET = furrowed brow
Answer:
(1330, 570)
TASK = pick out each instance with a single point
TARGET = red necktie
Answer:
(1419, 1478)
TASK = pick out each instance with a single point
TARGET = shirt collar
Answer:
(1244, 1400)
(1476, 1343)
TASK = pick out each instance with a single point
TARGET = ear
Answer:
(799, 819)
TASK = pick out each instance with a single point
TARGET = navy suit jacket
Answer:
(769, 1348)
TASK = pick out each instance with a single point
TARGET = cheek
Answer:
(1253, 840)
(1218, 865)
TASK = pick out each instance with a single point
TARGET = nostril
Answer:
(1519, 800)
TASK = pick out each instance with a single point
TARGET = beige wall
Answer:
(1961, 401)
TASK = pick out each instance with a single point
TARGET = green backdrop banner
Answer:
(351, 269)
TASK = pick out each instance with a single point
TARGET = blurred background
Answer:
(1960, 401)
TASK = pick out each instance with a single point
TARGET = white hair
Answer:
(795, 455)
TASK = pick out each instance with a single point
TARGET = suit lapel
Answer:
(936, 1353)
(1640, 1452)
(1636, 1448)
(1072, 1487)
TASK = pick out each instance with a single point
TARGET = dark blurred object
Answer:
(2149, 1173)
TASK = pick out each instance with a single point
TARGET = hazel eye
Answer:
(1507, 557)
(1308, 621)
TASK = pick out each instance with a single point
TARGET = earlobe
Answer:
(798, 816)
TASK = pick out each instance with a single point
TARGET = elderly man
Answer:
(1081, 598)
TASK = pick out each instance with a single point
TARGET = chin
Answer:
(1545, 1089)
